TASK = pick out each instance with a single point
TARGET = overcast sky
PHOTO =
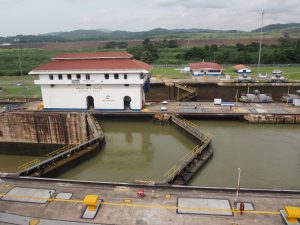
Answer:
(43, 16)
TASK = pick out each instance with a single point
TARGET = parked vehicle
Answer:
(256, 97)
(290, 97)
(277, 77)
(263, 75)
(244, 78)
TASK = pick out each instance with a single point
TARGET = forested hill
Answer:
(279, 27)
(158, 33)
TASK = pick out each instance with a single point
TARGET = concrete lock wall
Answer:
(43, 128)
(207, 92)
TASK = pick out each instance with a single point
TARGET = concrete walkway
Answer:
(154, 208)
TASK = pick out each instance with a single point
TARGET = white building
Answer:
(242, 69)
(100, 80)
(206, 69)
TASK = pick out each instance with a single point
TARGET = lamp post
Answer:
(238, 185)
(260, 42)
(20, 67)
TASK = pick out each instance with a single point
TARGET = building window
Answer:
(51, 76)
(78, 76)
(126, 85)
(116, 75)
(106, 76)
(87, 77)
(69, 76)
(125, 76)
(88, 85)
(60, 76)
(52, 85)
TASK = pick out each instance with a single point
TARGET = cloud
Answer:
(43, 16)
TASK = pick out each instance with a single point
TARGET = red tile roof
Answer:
(94, 64)
(205, 65)
(240, 66)
(94, 55)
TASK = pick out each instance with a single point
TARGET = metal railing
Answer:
(205, 139)
(51, 154)
(191, 128)
(191, 92)
(55, 155)
(29, 164)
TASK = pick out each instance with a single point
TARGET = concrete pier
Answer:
(27, 199)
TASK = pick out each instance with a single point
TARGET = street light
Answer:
(260, 43)
(238, 185)
(20, 66)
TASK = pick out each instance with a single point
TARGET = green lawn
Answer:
(10, 88)
(169, 73)
(292, 72)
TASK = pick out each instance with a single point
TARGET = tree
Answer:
(136, 51)
(172, 44)
(110, 44)
(240, 47)
(214, 48)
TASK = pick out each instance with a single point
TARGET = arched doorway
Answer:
(90, 102)
(127, 101)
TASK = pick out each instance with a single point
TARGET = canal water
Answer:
(135, 150)
(268, 155)
(11, 163)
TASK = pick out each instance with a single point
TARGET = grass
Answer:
(170, 73)
(291, 72)
(10, 88)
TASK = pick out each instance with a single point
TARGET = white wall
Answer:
(247, 70)
(205, 72)
(106, 97)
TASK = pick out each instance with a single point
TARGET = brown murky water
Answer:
(268, 155)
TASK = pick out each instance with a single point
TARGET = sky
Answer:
(44, 16)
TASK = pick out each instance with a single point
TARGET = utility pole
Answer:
(238, 185)
(20, 67)
(260, 42)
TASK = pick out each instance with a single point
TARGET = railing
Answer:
(56, 152)
(191, 92)
(185, 87)
(29, 164)
(205, 139)
(36, 164)
(191, 128)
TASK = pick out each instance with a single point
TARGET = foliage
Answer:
(113, 44)
(147, 52)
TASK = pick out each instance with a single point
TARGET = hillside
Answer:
(272, 31)
(279, 27)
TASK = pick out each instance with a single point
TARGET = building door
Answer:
(127, 101)
(90, 102)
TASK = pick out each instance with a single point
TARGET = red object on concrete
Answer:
(140, 193)
(242, 207)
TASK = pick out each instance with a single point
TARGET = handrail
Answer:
(192, 92)
(29, 164)
(205, 139)
(52, 154)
